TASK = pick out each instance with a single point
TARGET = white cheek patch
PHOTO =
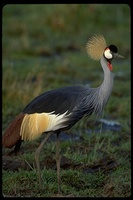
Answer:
(108, 54)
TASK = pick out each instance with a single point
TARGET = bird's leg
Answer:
(58, 163)
(37, 153)
(17, 147)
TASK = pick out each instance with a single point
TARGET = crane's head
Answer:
(97, 47)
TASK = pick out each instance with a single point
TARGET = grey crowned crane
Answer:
(59, 109)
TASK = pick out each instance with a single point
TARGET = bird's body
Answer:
(60, 109)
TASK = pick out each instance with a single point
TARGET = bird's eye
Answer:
(108, 54)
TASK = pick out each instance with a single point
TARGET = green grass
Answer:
(83, 155)
(44, 48)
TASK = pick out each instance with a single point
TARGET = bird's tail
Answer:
(12, 133)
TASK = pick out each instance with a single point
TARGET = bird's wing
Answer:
(57, 101)
(54, 110)
(57, 109)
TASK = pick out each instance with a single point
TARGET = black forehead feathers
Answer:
(113, 48)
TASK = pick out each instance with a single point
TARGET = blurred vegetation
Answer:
(43, 47)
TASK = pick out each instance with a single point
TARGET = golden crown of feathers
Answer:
(95, 47)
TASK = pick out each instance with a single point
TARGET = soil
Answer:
(13, 163)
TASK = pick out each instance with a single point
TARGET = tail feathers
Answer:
(12, 133)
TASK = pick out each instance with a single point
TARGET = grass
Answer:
(75, 176)
(44, 48)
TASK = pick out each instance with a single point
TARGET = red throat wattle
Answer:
(110, 66)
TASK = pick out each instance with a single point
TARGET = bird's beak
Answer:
(116, 55)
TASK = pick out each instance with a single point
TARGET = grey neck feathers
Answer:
(97, 97)
(101, 94)
(105, 88)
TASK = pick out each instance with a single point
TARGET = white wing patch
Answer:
(56, 121)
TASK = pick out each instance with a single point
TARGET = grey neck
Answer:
(106, 87)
